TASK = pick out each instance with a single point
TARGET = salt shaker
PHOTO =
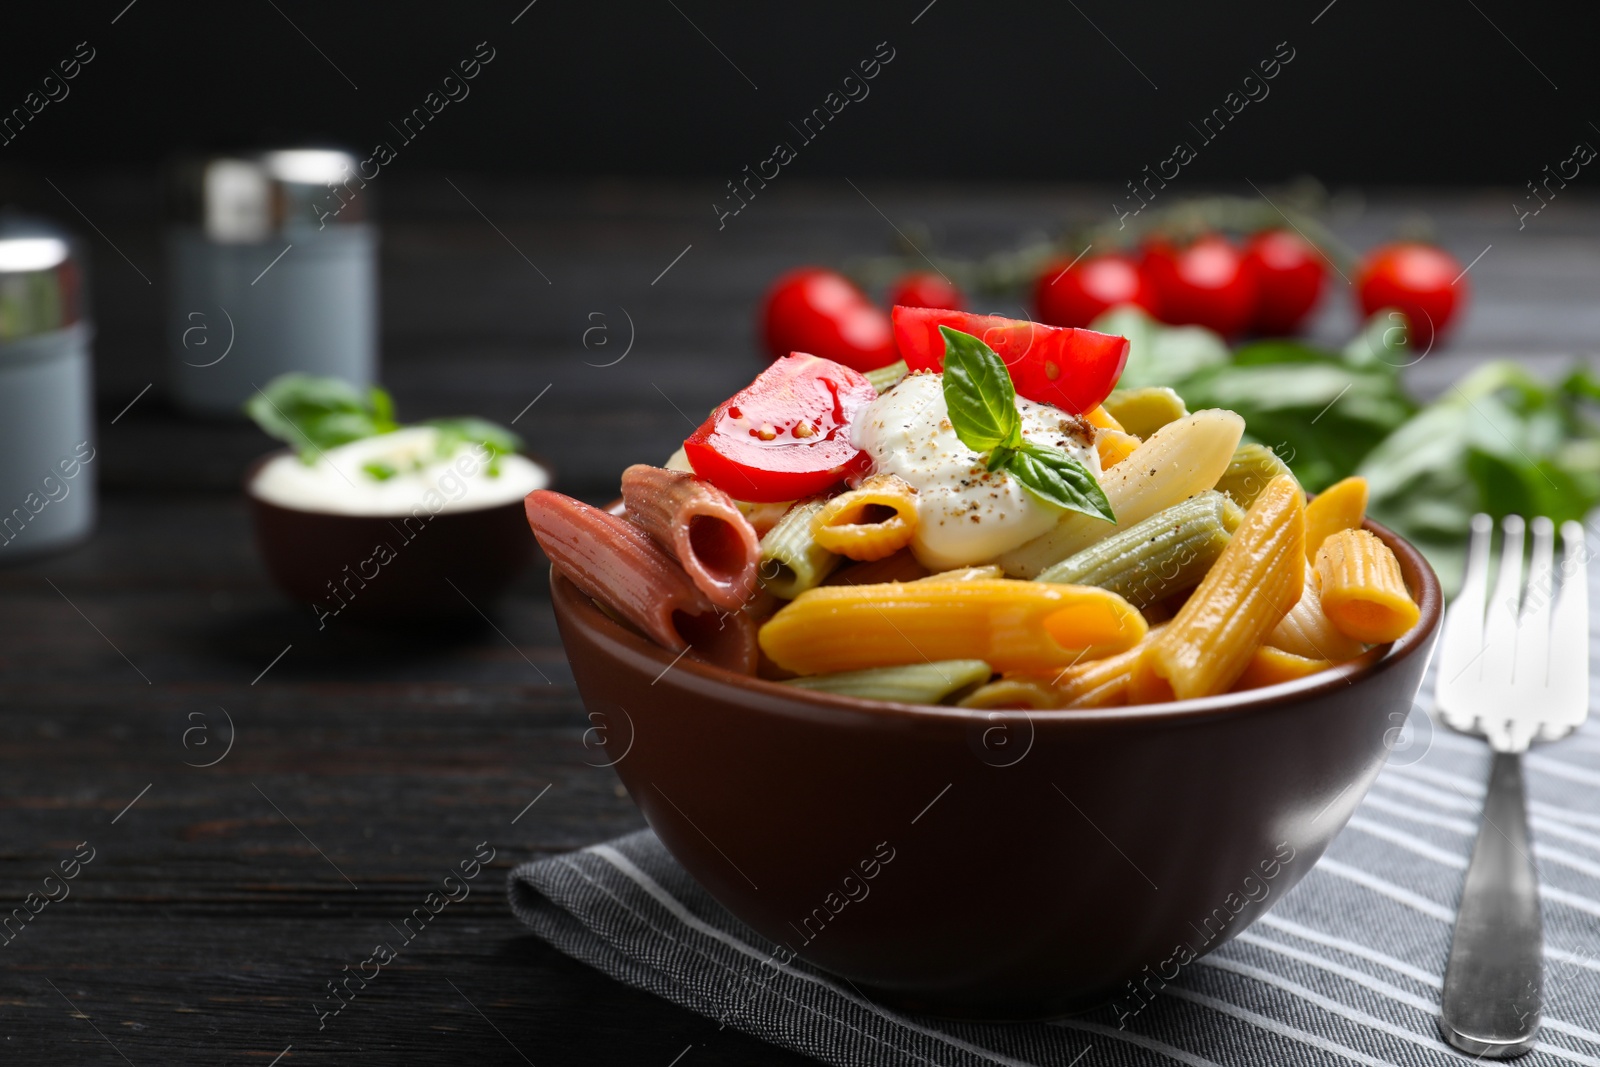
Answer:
(47, 453)
(272, 267)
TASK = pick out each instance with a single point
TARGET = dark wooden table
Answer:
(364, 763)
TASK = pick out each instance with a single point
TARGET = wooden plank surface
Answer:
(366, 762)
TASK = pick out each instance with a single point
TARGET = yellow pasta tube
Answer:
(868, 523)
(1306, 631)
(1026, 693)
(1179, 460)
(1247, 592)
(1101, 683)
(1099, 416)
(1341, 506)
(1363, 592)
(1114, 446)
(1011, 625)
(1269, 666)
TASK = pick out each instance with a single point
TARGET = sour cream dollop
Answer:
(965, 514)
(341, 480)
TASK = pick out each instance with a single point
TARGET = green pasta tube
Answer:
(1165, 554)
(791, 559)
(1144, 411)
(1252, 467)
(885, 378)
(918, 683)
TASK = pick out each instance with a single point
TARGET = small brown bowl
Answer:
(993, 864)
(377, 569)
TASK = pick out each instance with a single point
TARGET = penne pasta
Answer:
(1101, 683)
(1165, 554)
(1010, 625)
(1306, 631)
(1181, 459)
(1269, 666)
(1364, 594)
(791, 559)
(678, 461)
(763, 516)
(870, 522)
(700, 525)
(1027, 694)
(988, 572)
(1247, 592)
(914, 683)
(618, 564)
(1253, 466)
(1341, 506)
(1099, 417)
(1144, 411)
(1114, 446)
(885, 378)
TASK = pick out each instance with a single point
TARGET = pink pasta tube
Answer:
(702, 528)
(615, 562)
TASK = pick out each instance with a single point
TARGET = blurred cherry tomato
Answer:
(1074, 295)
(1206, 284)
(821, 312)
(925, 289)
(1289, 276)
(1418, 279)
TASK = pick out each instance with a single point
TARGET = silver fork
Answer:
(1513, 673)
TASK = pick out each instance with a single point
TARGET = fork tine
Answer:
(1567, 696)
(1461, 644)
(1532, 664)
(1500, 629)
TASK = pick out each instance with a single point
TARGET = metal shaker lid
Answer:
(249, 198)
(41, 280)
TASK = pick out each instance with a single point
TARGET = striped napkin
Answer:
(1346, 969)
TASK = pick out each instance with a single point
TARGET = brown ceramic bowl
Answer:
(379, 569)
(1037, 862)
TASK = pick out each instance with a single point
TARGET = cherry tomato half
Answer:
(785, 435)
(1071, 369)
(1074, 295)
(1289, 277)
(1420, 280)
(822, 312)
(925, 289)
(1205, 284)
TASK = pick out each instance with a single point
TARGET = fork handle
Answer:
(1492, 986)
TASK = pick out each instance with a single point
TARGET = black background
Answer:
(1380, 93)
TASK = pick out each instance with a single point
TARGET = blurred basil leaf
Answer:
(1158, 354)
(312, 414)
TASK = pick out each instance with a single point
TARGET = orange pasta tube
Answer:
(700, 525)
(1363, 592)
(1244, 595)
(868, 523)
(1341, 506)
(1101, 683)
(1114, 446)
(1011, 625)
(1099, 416)
(617, 563)
(1269, 666)
(1306, 631)
(1026, 693)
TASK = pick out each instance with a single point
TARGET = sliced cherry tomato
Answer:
(785, 435)
(1289, 277)
(822, 312)
(925, 289)
(1071, 369)
(1074, 295)
(1423, 281)
(1204, 284)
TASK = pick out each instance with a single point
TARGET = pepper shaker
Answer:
(272, 266)
(47, 476)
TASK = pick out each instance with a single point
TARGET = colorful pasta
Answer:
(1181, 459)
(1306, 631)
(702, 528)
(617, 563)
(868, 523)
(1249, 590)
(1011, 625)
(914, 683)
(791, 559)
(1253, 466)
(1341, 506)
(1270, 666)
(1363, 592)
(1114, 446)
(1144, 411)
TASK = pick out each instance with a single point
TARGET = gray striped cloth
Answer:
(1346, 969)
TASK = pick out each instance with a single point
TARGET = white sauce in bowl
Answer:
(338, 483)
(965, 514)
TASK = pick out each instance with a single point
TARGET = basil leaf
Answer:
(314, 414)
(471, 430)
(1056, 478)
(978, 394)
